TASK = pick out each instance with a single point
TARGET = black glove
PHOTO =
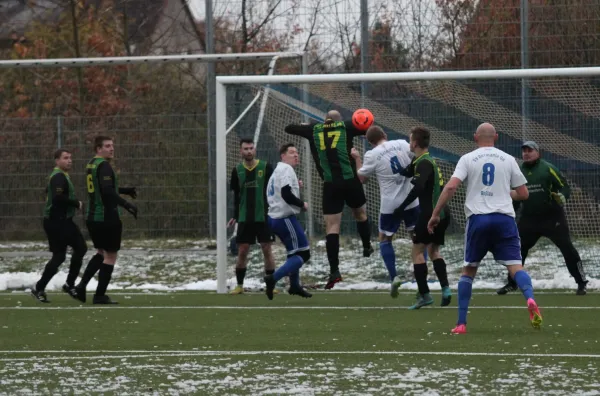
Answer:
(131, 208)
(131, 191)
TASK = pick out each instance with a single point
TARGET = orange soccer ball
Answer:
(362, 119)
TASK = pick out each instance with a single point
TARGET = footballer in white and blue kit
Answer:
(493, 180)
(386, 161)
(283, 197)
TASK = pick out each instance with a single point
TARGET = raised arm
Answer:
(302, 130)
(352, 130)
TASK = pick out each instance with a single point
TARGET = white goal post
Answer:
(415, 77)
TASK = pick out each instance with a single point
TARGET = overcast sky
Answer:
(413, 21)
(198, 8)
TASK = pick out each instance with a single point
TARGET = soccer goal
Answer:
(555, 107)
(155, 109)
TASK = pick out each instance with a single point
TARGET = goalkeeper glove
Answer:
(559, 198)
(131, 208)
(131, 191)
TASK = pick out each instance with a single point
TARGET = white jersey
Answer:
(385, 162)
(282, 176)
(490, 174)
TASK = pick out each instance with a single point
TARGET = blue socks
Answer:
(524, 282)
(289, 268)
(465, 288)
(389, 258)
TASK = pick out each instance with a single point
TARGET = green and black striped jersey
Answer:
(60, 196)
(428, 184)
(102, 187)
(249, 186)
(330, 144)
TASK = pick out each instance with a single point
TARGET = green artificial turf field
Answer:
(345, 343)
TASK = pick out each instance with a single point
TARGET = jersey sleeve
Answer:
(559, 183)
(59, 187)
(304, 131)
(288, 196)
(106, 181)
(422, 173)
(462, 169)
(234, 185)
(368, 166)
(268, 171)
(517, 178)
(352, 130)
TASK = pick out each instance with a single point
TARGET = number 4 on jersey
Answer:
(271, 188)
(395, 164)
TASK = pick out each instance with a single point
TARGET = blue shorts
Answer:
(389, 225)
(496, 233)
(290, 232)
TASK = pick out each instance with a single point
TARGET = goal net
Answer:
(557, 108)
(155, 109)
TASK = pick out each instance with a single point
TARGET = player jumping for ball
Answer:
(330, 144)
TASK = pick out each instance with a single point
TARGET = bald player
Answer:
(491, 175)
(331, 143)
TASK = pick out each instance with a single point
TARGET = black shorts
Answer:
(63, 233)
(106, 236)
(251, 232)
(421, 235)
(335, 195)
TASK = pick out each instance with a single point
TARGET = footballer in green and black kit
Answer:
(249, 186)
(331, 143)
(103, 217)
(59, 210)
(428, 184)
(543, 215)
(248, 182)
(103, 214)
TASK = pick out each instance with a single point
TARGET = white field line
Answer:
(149, 354)
(320, 292)
(311, 307)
